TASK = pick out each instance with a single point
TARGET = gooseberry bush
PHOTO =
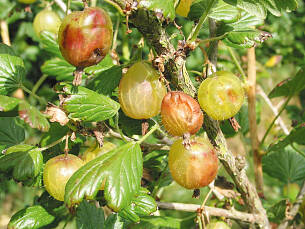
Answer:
(152, 114)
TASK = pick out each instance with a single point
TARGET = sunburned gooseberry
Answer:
(221, 95)
(180, 113)
(46, 20)
(141, 92)
(57, 172)
(85, 36)
(195, 165)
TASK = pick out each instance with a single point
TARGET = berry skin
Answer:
(221, 95)
(195, 166)
(218, 225)
(141, 92)
(181, 114)
(46, 20)
(57, 172)
(96, 151)
(184, 7)
(27, 1)
(85, 37)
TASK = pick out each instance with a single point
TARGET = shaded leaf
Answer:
(122, 168)
(106, 81)
(32, 116)
(114, 221)
(141, 205)
(89, 216)
(243, 39)
(55, 132)
(8, 103)
(11, 133)
(290, 87)
(285, 164)
(24, 161)
(166, 7)
(59, 68)
(11, 70)
(31, 217)
(277, 212)
(87, 105)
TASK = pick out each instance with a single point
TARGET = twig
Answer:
(231, 214)
(38, 83)
(257, 157)
(294, 210)
(274, 109)
(62, 5)
(52, 144)
(5, 33)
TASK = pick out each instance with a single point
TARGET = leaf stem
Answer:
(53, 144)
(118, 128)
(298, 150)
(195, 32)
(41, 101)
(237, 64)
(153, 129)
(276, 117)
(39, 82)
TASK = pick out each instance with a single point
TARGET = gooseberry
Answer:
(221, 95)
(141, 92)
(195, 165)
(218, 225)
(180, 113)
(85, 37)
(184, 7)
(27, 1)
(57, 172)
(95, 151)
(46, 20)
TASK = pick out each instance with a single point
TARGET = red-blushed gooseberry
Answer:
(57, 172)
(46, 20)
(141, 92)
(221, 95)
(195, 165)
(181, 113)
(85, 37)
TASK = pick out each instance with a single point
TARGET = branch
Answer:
(5, 33)
(257, 157)
(231, 214)
(294, 210)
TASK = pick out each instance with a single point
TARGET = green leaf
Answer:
(11, 70)
(105, 64)
(59, 68)
(49, 43)
(243, 39)
(31, 217)
(106, 81)
(295, 136)
(8, 103)
(291, 86)
(166, 7)
(55, 132)
(88, 216)
(220, 12)
(122, 168)
(285, 164)
(86, 105)
(24, 161)
(32, 116)
(114, 221)
(277, 212)
(6, 9)
(246, 21)
(158, 222)
(141, 205)
(11, 133)
(259, 8)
